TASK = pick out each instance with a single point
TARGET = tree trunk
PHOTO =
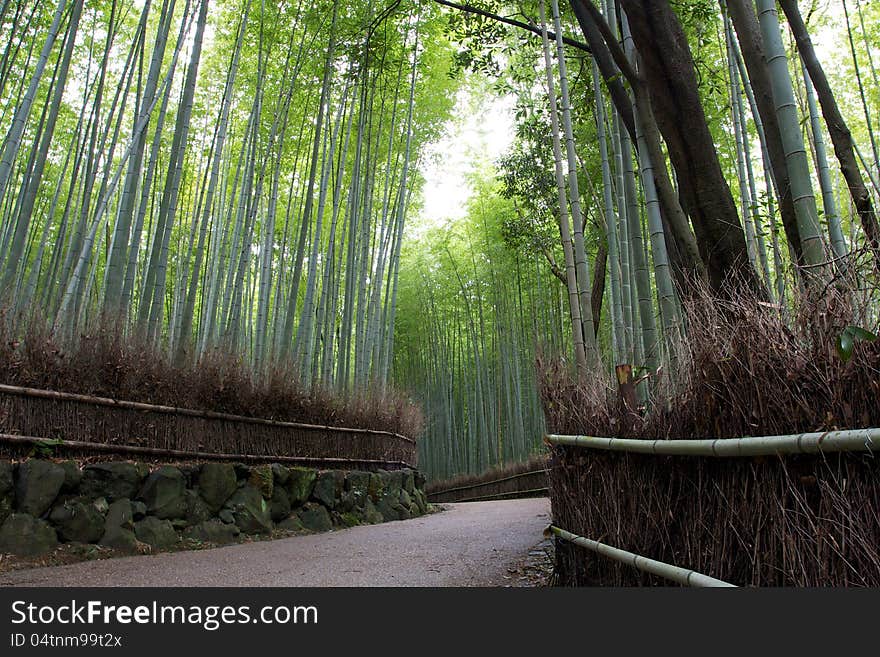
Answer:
(669, 72)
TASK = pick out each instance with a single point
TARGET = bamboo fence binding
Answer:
(176, 431)
(174, 410)
(135, 450)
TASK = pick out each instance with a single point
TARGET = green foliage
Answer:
(847, 339)
(472, 315)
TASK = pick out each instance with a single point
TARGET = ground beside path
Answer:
(472, 544)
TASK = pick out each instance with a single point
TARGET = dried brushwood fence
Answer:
(85, 425)
(528, 479)
(752, 519)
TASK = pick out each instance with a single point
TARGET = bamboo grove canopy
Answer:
(239, 175)
(217, 173)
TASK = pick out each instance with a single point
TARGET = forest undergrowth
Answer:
(745, 368)
(102, 362)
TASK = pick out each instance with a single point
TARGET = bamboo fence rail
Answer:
(803, 443)
(174, 410)
(82, 447)
(81, 422)
(683, 576)
(532, 492)
(787, 510)
(502, 487)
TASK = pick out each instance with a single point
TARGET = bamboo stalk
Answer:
(211, 456)
(172, 410)
(804, 443)
(678, 574)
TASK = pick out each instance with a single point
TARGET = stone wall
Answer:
(123, 504)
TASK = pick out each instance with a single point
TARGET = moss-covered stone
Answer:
(328, 488)
(37, 485)
(119, 527)
(357, 480)
(6, 478)
(405, 499)
(217, 481)
(348, 519)
(7, 489)
(157, 533)
(263, 480)
(72, 476)
(5, 508)
(357, 487)
(163, 493)
(393, 481)
(250, 511)
(376, 485)
(292, 524)
(315, 517)
(409, 481)
(421, 501)
(300, 484)
(280, 474)
(212, 531)
(79, 521)
(371, 514)
(114, 481)
(196, 508)
(388, 508)
(279, 505)
(24, 535)
(138, 510)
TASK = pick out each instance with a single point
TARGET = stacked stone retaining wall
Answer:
(135, 506)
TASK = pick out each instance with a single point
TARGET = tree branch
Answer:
(510, 21)
(554, 267)
(610, 41)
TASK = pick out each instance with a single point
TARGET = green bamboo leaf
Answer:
(845, 345)
(861, 334)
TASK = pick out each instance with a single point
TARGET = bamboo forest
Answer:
(631, 218)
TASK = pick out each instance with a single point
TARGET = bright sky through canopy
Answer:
(481, 131)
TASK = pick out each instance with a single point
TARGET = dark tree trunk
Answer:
(678, 232)
(607, 67)
(669, 72)
(598, 291)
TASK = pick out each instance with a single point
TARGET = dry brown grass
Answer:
(101, 363)
(744, 370)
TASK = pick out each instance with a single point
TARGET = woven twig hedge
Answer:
(66, 417)
(763, 521)
(524, 484)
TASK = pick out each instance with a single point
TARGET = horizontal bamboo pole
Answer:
(202, 456)
(852, 440)
(496, 496)
(677, 574)
(483, 484)
(173, 410)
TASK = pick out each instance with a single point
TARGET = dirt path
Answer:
(474, 544)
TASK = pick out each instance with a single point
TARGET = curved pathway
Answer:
(473, 544)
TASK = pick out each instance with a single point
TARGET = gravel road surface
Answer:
(472, 544)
